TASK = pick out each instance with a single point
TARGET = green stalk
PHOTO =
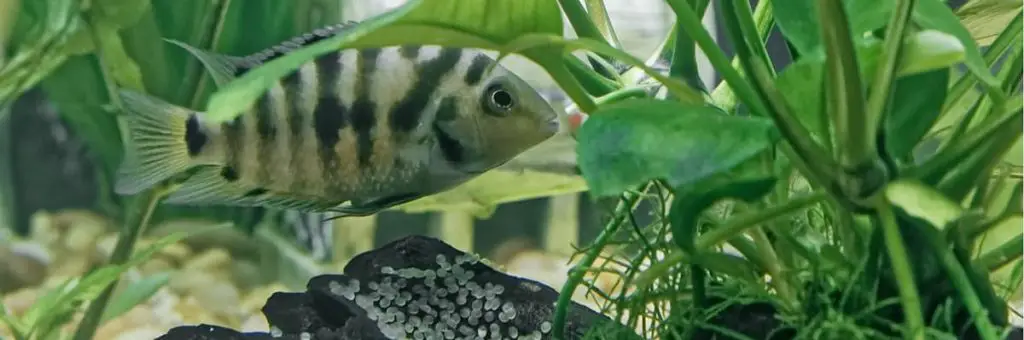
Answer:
(909, 297)
(804, 152)
(1002, 255)
(880, 97)
(962, 283)
(133, 228)
(684, 57)
(620, 94)
(1006, 38)
(689, 22)
(580, 20)
(764, 18)
(215, 33)
(845, 91)
(599, 16)
(627, 203)
(766, 252)
(738, 225)
(134, 225)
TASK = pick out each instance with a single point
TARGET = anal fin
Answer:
(208, 187)
(373, 206)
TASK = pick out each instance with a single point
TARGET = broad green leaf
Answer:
(635, 140)
(918, 200)
(134, 294)
(800, 84)
(936, 15)
(926, 51)
(798, 21)
(479, 24)
(916, 106)
(985, 19)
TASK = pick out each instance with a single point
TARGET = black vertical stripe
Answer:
(410, 52)
(406, 114)
(296, 120)
(234, 136)
(329, 116)
(195, 138)
(448, 110)
(266, 131)
(364, 117)
(475, 73)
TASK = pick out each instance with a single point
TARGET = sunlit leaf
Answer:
(985, 19)
(480, 24)
(918, 200)
(630, 142)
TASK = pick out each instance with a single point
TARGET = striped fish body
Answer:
(371, 127)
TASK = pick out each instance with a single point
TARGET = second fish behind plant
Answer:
(372, 127)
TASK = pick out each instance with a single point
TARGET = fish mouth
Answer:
(553, 126)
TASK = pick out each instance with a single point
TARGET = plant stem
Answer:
(134, 224)
(962, 283)
(909, 298)
(599, 16)
(133, 227)
(764, 18)
(684, 57)
(687, 20)
(215, 33)
(620, 94)
(1002, 255)
(627, 203)
(580, 20)
(1007, 37)
(845, 94)
(738, 225)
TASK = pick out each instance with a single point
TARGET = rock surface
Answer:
(416, 288)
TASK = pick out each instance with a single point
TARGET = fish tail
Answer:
(156, 148)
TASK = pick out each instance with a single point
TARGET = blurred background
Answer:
(59, 147)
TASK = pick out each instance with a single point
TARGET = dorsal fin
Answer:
(297, 42)
(224, 68)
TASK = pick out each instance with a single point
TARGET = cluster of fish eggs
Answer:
(435, 304)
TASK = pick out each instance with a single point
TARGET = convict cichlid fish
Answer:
(354, 131)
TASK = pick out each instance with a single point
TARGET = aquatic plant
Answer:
(872, 187)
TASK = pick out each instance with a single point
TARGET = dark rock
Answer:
(417, 288)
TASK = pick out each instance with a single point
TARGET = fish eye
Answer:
(499, 100)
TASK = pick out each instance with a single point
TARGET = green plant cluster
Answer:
(871, 188)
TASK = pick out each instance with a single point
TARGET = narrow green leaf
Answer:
(916, 108)
(918, 200)
(133, 295)
(635, 140)
(531, 45)
(482, 24)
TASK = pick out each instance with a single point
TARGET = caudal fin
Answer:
(156, 149)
